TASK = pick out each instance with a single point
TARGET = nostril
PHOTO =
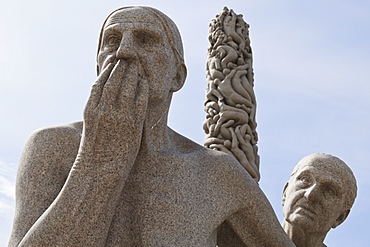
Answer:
(126, 49)
(311, 193)
(126, 52)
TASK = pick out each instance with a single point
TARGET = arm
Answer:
(226, 236)
(41, 175)
(113, 120)
(252, 220)
(258, 227)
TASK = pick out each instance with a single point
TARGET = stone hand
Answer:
(114, 117)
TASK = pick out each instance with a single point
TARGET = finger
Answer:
(97, 87)
(129, 89)
(142, 97)
(111, 88)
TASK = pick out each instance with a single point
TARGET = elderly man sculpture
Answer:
(318, 197)
(122, 177)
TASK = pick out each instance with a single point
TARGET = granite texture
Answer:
(122, 177)
(230, 102)
(317, 197)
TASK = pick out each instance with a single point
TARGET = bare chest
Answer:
(167, 206)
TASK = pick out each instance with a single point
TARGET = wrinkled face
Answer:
(137, 37)
(314, 197)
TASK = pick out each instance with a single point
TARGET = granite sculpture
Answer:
(122, 177)
(318, 196)
(230, 102)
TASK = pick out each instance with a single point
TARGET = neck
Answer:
(303, 238)
(155, 136)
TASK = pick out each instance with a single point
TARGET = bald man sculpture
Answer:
(122, 177)
(318, 197)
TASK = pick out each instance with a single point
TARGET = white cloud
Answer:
(7, 187)
(4, 207)
(7, 199)
(7, 180)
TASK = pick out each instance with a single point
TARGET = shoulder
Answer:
(226, 170)
(232, 184)
(71, 131)
(220, 175)
(43, 168)
(215, 164)
(52, 145)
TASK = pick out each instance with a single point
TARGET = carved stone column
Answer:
(230, 103)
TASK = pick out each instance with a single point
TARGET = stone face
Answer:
(230, 102)
(317, 197)
(122, 177)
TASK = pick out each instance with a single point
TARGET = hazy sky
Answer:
(312, 74)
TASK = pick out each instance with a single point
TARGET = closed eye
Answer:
(147, 39)
(330, 190)
(304, 181)
(113, 40)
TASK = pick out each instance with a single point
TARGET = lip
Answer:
(305, 210)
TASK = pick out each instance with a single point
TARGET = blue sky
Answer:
(312, 74)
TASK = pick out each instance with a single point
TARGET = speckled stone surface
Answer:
(318, 197)
(122, 177)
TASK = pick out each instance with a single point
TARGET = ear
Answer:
(341, 218)
(179, 79)
(284, 193)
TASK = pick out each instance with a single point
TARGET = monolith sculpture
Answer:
(230, 103)
(122, 177)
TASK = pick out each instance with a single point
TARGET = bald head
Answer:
(337, 168)
(318, 197)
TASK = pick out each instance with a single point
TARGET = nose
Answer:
(126, 49)
(312, 193)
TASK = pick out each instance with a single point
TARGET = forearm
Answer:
(113, 122)
(82, 212)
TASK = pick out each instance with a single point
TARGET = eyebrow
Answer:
(333, 182)
(303, 172)
(109, 30)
